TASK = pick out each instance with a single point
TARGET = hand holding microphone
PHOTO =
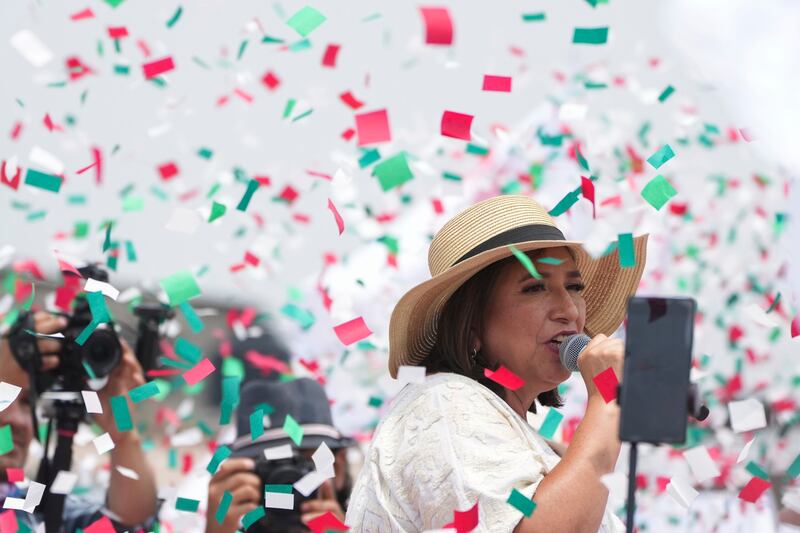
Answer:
(590, 356)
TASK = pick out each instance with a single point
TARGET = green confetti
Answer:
(130, 251)
(302, 115)
(549, 261)
(217, 210)
(526, 262)
(133, 203)
(113, 3)
(253, 516)
(242, 48)
(187, 350)
(369, 157)
(663, 155)
(590, 35)
(581, 160)
(256, 424)
(191, 317)
(375, 401)
(306, 20)
(521, 503)
(230, 398)
(666, 93)
(289, 107)
(174, 18)
(231, 366)
(627, 254)
(756, 470)
(205, 153)
(252, 186)
(451, 176)
(6, 440)
(42, 180)
(550, 424)
(220, 454)
(187, 504)
(97, 305)
(775, 303)
(393, 172)
(144, 392)
(565, 203)
(224, 504)
(658, 192)
(122, 414)
(794, 468)
(180, 287)
(474, 149)
(293, 429)
(533, 17)
(107, 241)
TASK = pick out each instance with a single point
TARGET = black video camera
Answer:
(98, 356)
(285, 471)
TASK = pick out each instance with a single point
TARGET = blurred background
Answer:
(251, 102)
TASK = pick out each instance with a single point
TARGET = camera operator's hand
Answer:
(127, 375)
(237, 477)
(601, 353)
(44, 323)
(326, 501)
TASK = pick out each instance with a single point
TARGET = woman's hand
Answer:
(600, 354)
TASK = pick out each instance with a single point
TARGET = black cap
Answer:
(304, 399)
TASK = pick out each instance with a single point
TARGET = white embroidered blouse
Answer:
(444, 445)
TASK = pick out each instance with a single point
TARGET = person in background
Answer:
(305, 400)
(129, 503)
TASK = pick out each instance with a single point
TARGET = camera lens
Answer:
(102, 352)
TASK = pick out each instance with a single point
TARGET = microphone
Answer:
(571, 348)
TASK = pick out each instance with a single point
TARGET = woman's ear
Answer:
(474, 340)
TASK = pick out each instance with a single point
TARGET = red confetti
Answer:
(168, 170)
(587, 189)
(199, 372)
(607, 383)
(16, 130)
(77, 68)
(336, 216)
(117, 32)
(438, 25)
(352, 331)
(500, 84)
(326, 522)
(456, 125)
(289, 194)
(373, 127)
(103, 525)
(15, 474)
(270, 80)
(465, 520)
(350, 100)
(48, 122)
(82, 15)
(98, 162)
(12, 182)
(8, 522)
(158, 67)
(754, 489)
(251, 259)
(504, 377)
(329, 58)
(796, 326)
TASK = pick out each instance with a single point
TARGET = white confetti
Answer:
(31, 48)
(92, 285)
(8, 393)
(92, 402)
(701, 463)
(747, 415)
(64, 482)
(103, 443)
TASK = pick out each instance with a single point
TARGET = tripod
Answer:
(67, 410)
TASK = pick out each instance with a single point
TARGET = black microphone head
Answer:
(571, 348)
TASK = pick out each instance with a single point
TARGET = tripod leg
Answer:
(630, 504)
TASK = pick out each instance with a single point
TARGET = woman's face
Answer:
(524, 313)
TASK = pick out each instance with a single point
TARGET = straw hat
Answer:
(481, 235)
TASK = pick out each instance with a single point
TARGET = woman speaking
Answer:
(460, 439)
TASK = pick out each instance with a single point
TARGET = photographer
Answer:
(129, 502)
(247, 472)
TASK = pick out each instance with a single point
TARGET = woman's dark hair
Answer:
(463, 311)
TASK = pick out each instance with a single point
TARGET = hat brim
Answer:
(414, 320)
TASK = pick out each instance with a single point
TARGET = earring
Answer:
(473, 356)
